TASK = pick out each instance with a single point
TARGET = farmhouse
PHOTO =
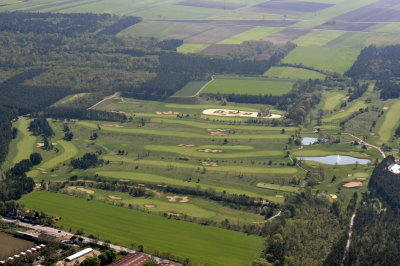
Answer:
(132, 259)
(394, 168)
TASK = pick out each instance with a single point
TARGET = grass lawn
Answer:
(25, 142)
(191, 48)
(69, 99)
(253, 34)
(67, 151)
(191, 88)
(293, 73)
(203, 244)
(249, 86)
(331, 100)
(277, 187)
(342, 114)
(389, 125)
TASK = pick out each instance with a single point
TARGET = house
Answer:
(394, 168)
(77, 240)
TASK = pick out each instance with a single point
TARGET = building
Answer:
(394, 168)
(132, 259)
(79, 254)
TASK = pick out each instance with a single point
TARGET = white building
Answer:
(394, 168)
(79, 254)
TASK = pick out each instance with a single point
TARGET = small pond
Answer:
(308, 141)
(335, 159)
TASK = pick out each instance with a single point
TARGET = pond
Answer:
(10, 245)
(308, 141)
(335, 159)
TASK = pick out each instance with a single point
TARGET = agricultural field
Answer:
(10, 246)
(190, 89)
(237, 85)
(293, 73)
(151, 231)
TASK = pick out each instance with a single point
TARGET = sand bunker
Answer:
(88, 191)
(114, 197)
(40, 144)
(279, 196)
(186, 145)
(385, 108)
(213, 133)
(236, 113)
(210, 150)
(175, 198)
(352, 185)
(112, 125)
(218, 129)
(149, 205)
(173, 214)
(333, 196)
(41, 169)
(209, 164)
(167, 113)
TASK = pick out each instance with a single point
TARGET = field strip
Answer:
(211, 125)
(177, 134)
(277, 187)
(346, 113)
(158, 179)
(195, 153)
(392, 120)
(70, 151)
(26, 143)
(212, 245)
(230, 169)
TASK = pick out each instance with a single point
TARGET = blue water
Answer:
(308, 141)
(335, 159)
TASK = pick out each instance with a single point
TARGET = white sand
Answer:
(237, 113)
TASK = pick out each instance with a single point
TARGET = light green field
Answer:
(331, 100)
(178, 12)
(249, 86)
(335, 59)
(389, 125)
(389, 28)
(193, 152)
(68, 151)
(345, 113)
(277, 187)
(293, 73)
(191, 48)
(253, 34)
(158, 179)
(25, 141)
(318, 37)
(69, 99)
(191, 88)
(154, 29)
(203, 244)
(170, 133)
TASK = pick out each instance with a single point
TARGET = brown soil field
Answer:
(381, 11)
(294, 6)
(220, 49)
(286, 35)
(345, 26)
(211, 4)
(241, 22)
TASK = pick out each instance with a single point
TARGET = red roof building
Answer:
(132, 259)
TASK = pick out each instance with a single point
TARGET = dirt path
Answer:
(105, 99)
(269, 219)
(367, 144)
(346, 250)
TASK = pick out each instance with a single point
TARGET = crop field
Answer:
(390, 123)
(318, 38)
(293, 73)
(151, 231)
(188, 48)
(190, 89)
(10, 245)
(249, 86)
(253, 34)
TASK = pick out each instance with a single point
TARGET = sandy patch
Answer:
(40, 144)
(361, 179)
(236, 113)
(209, 164)
(149, 205)
(352, 185)
(72, 187)
(167, 113)
(124, 180)
(41, 169)
(112, 125)
(44, 172)
(279, 196)
(173, 214)
(210, 150)
(385, 108)
(333, 196)
(88, 191)
(161, 185)
(175, 198)
(54, 143)
(350, 175)
(217, 133)
(114, 197)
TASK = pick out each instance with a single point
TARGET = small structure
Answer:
(33, 236)
(132, 259)
(77, 240)
(79, 254)
(394, 168)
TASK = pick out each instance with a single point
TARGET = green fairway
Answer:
(69, 99)
(25, 141)
(158, 179)
(293, 73)
(331, 100)
(253, 34)
(346, 112)
(190, 89)
(203, 244)
(194, 152)
(249, 86)
(68, 151)
(191, 48)
(277, 187)
(389, 125)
